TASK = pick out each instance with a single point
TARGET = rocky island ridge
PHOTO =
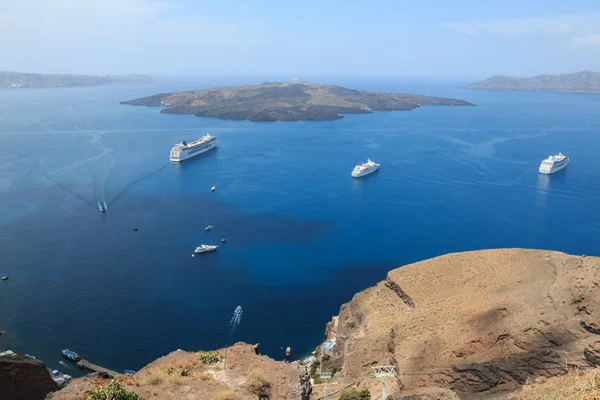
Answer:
(20, 80)
(577, 82)
(286, 102)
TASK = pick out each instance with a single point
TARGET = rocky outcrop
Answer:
(24, 379)
(182, 375)
(286, 102)
(425, 394)
(472, 322)
(592, 354)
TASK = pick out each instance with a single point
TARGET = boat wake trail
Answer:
(236, 319)
(64, 364)
(110, 203)
(80, 197)
(103, 204)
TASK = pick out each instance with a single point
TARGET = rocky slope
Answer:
(182, 375)
(285, 102)
(584, 81)
(470, 322)
(24, 379)
(22, 80)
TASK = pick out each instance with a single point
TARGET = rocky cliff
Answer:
(470, 322)
(24, 379)
(184, 375)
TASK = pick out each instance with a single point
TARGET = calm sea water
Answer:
(302, 235)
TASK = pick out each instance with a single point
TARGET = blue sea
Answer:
(302, 236)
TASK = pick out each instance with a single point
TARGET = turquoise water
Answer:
(302, 235)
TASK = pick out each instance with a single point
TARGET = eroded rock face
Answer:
(592, 354)
(24, 379)
(164, 378)
(473, 321)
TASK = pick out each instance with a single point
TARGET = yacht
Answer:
(71, 355)
(204, 248)
(553, 163)
(184, 150)
(365, 169)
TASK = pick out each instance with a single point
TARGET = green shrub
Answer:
(356, 395)
(209, 358)
(115, 390)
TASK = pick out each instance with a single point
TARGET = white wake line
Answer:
(138, 131)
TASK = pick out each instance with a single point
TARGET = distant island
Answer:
(285, 102)
(579, 82)
(17, 80)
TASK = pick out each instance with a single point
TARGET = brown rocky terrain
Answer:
(473, 325)
(474, 322)
(286, 102)
(182, 375)
(24, 379)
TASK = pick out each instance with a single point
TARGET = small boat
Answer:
(29, 356)
(5, 277)
(223, 240)
(238, 310)
(102, 206)
(135, 229)
(70, 355)
(204, 248)
(129, 372)
(212, 189)
(209, 228)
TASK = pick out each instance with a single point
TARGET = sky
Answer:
(381, 38)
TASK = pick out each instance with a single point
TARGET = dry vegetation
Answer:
(201, 376)
(574, 386)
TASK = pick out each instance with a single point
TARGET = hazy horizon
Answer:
(462, 40)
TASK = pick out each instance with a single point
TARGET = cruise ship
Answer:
(553, 163)
(183, 151)
(365, 169)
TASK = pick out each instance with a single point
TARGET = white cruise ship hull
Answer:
(185, 155)
(547, 170)
(365, 173)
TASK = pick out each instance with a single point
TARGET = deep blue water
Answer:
(302, 235)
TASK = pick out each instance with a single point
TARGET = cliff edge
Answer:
(207, 376)
(470, 322)
(24, 379)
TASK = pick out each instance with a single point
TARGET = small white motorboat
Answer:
(209, 228)
(204, 248)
